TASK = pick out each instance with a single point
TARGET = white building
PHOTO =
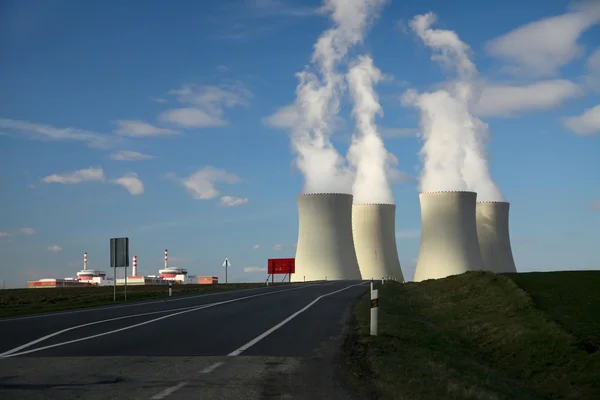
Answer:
(325, 243)
(374, 232)
(449, 244)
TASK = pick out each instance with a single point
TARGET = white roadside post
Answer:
(170, 289)
(374, 307)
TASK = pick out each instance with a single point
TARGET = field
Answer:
(481, 336)
(27, 301)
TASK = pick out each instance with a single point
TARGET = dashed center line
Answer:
(168, 391)
(211, 368)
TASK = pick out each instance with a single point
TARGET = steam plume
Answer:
(453, 152)
(367, 154)
(318, 100)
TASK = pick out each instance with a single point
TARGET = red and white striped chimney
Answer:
(134, 272)
(85, 260)
(166, 258)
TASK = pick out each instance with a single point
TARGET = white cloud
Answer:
(55, 248)
(230, 201)
(131, 182)
(27, 231)
(141, 129)
(593, 62)
(408, 234)
(190, 117)
(128, 155)
(82, 175)
(159, 100)
(251, 270)
(447, 47)
(30, 186)
(542, 47)
(499, 100)
(49, 132)
(4, 234)
(285, 117)
(587, 123)
(256, 246)
(205, 104)
(201, 184)
(278, 247)
(222, 68)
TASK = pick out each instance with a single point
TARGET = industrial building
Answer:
(374, 232)
(325, 242)
(449, 243)
(91, 277)
(493, 235)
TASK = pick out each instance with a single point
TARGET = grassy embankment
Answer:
(482, 336)
(28, 301)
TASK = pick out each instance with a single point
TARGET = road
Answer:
(269, 343)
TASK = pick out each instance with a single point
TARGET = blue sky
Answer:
(147, 99)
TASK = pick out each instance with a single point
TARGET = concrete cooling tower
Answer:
(493, 235)
(373, 228)
(449, 244)
(325, 244)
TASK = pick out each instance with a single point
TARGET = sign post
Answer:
(226, 264)
(281, 266)
(119, 258)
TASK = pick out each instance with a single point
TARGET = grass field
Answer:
(28, 301)
(481, 336)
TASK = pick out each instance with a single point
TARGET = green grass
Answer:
(481, 336)
(15, 302)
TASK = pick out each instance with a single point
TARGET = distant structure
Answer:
(134, 267)
(325, 244)
(449, 244)
(90, 275)
(493, 235)
(374, 232)
(179, 275)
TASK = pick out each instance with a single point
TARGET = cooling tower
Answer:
(449, 244)
(494, 237)
(325, 244)
(373, 228)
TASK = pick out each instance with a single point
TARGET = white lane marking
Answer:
(168, 391)
(13, 352)
(211, 368)
(142, 303)
(285, 321)
(29, 344)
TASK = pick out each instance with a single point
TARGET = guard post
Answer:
(374, 310)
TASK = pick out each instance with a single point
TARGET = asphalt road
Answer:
(270, 343)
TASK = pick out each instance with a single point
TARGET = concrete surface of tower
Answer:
(373, 228)
(325, 243)
(494, 237)
(449, 244)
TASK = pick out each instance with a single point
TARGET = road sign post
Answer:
(119, 258)
(226, 264)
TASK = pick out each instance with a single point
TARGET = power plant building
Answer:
(374, 232)
(449, 243)
(325, 243)
(494, 237)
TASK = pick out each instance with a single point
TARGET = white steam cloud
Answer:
(318, 99)
(367, 154)
(454, 145)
